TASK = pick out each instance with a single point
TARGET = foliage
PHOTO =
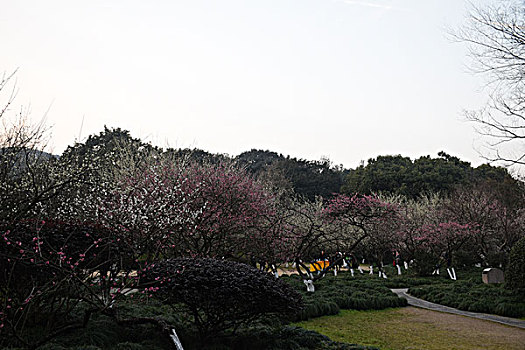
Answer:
(337, 225)
(234, 210)
(189, 209)
(258, 337)
(401, 176)
(102, 161)
(48, 269)
(430, 235)
(473, 295)
(367, 219)
(410, 278)
(307, 178)
(102, 332)
(498, 221)
(345, 292)
(195, 155)
(221, 295)
(515, 272)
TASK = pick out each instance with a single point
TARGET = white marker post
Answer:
(175, 339)
(352, 272)
(398, 269)
(309, 286)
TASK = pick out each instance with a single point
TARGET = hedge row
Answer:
(255, 338)
(344, 292)
(286, 338)
(474, 296)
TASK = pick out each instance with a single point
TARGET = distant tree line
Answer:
(414, 178)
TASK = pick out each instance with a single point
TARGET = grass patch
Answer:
(410, 328)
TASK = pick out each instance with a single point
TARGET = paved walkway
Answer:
(412, 301)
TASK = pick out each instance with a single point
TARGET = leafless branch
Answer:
(495, 36)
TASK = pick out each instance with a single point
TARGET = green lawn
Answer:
(411, 328)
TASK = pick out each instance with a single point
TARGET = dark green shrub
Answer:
(318, 308)
(475, 297)
(477, 306)
(291, 338)
(515, 274)
(424, 263)
(52, 346)
(467, 256)
(129, 346)
(260, 337)
(510, 309)
(346, 292)
(220, 295)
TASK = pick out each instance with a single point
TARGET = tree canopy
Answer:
(306, 178)
(413, 178)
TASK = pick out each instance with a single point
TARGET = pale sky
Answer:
(345, 79)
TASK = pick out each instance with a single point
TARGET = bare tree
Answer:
(17, 132)
(22, 145)
(29, 176)
(495, 36)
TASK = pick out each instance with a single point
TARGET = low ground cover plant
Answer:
(108, 336)
(467, 293)
(410, 278)
(344, 292)
(516, 268)
(473, 295)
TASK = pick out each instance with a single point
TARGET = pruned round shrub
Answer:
(515, 274)
(219, 294)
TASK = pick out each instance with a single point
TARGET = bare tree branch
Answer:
(495, 36)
